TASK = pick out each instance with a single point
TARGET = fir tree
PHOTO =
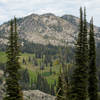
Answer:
(85, 44)
(52, 89)
(85, 54)
(93, 87)
(66, 83)
(13, 90)
(60, 89)
(79, 77)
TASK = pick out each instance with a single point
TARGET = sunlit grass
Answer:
(34, 70)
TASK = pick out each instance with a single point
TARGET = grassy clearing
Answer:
(34, 70)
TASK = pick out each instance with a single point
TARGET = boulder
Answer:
(32, 95)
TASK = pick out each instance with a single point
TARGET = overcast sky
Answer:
(19, 8)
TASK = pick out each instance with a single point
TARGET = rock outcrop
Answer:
(32, 95)
(37, 95)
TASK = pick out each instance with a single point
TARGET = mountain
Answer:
(46, 29)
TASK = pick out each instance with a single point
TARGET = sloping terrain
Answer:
(45, 29)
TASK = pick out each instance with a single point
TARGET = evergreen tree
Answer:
(85, 54)
(66, 83)
(24, 61)
(42, 84)
(29, 59)
(85, 44)
(51, 71)
(52, 89)
(25, 79)
(13, 90)
(93, 87)
(79, 77)
(60, 89)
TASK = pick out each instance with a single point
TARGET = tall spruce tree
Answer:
(13, 90)
(85, 44)
(85, 54)
(60, 89)
(79, 77)
(93, 82)
(66, 83)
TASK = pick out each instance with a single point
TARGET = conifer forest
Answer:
(48, 57)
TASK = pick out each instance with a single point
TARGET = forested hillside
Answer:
(59, 56)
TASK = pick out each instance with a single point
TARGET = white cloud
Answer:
(3, 1)
(10, 8)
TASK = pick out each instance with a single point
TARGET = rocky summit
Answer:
(45, 29)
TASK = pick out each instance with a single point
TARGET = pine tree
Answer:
(13, 90)
(52, 89)
(85, 44)
(93, 87)
(79, 77)
(60, 89)
(66, 83)
(85, 54)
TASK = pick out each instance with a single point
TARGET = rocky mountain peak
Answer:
(46, 28)
(48, 14)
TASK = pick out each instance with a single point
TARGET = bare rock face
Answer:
(32, 95)
(45, 29)
(37, 95)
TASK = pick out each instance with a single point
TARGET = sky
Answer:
(21, 8)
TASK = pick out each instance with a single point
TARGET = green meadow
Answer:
(34, 70)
